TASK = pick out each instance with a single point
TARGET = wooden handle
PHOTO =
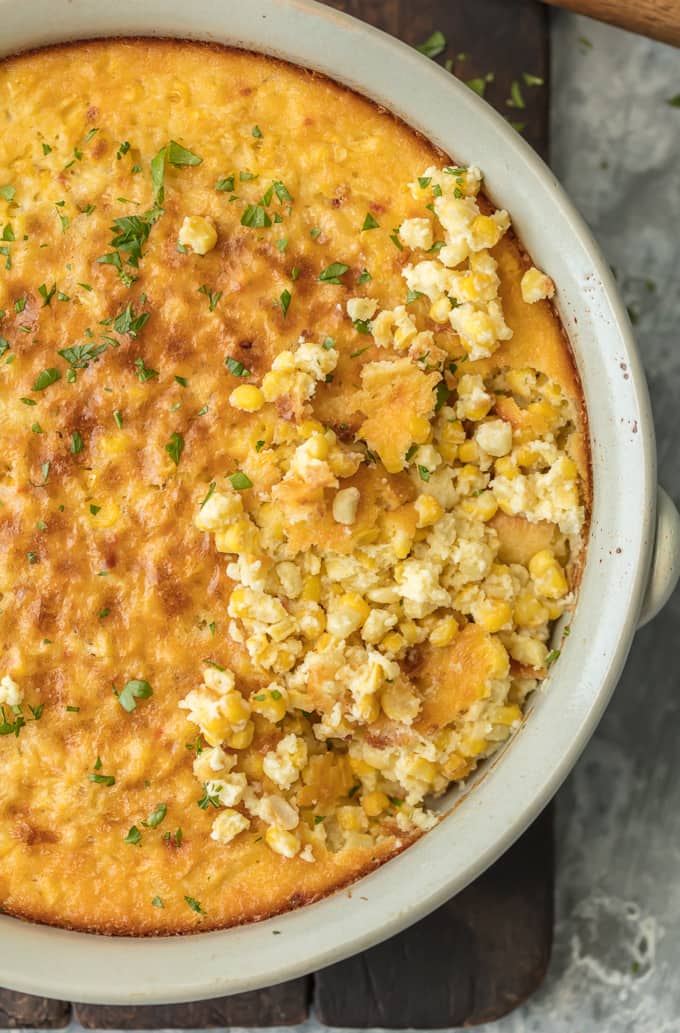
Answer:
(659, 19)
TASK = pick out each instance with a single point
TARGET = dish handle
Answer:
(665, 568)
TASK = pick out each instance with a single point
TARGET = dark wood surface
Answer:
(481, 954)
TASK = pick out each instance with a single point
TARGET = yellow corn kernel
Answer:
(455, 767)
(404, 334)
(271, 519)
(241, 740)
(393, 643)
(317, 447)
(507, 715)
(468, 452)
(422, 769)
(238, 602)
(471, 746)
(311, 591)
(568, 470)
(528, 651)
(552, 392)
(419, 429)
(282, 842)
(555, 610)
(544, 416)
(428, 509)
(346, 614)
(342, 464)
(247, 397)
(505, 467)
(439, 310)
(240, 537)
(368, 709)
(444, 631)
(351, 818)
(360, 767)
(286, 657)
(410, 632)
(375, 803)
(469, 479)
(521, 382)
(480, 507)
(485, 232)
(529, 611)
(547, 575)
(274, 384)
(270, 702)
(309, 427)
(492, 614)
(235, 708)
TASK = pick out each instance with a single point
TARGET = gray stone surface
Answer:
(616, 148)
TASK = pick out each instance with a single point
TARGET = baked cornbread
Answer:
(295, 484)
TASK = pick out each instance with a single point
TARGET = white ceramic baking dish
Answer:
(633, 553)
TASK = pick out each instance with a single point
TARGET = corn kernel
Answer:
(455, 767)
(309, 427)
(472, 746)
(311, 591)
(419, 429)
(492, 614)
(274, 384)
(351, 818)
(527, 651)
(399, 703)
(198, 233)
(547, 575)
(444, 632)
(439, 310)
(375, 803)
(360, 767)
(522, 382)
(228, 824)
(346, 614)
(367, 709)
(536, 286)
(505, 467)
(235, 708)
(410, 632)
(345, 505)
(393, 643)
(282, 842)
(270, 702)
(246, 397)
(428, 509)
(507, 715)
(422, 769)
(529, 611)
(484, 232)
(240, 537)
(241, 740)
(480, 507)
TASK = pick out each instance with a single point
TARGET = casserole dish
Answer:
(563, 717)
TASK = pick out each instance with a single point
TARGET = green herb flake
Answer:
(552, 656)
(157, 902)
(364, 277)
(212, 296)
(515, 100)
(333, 272)
(477, 85)
(316, 232)
(133, 690)
(28, 401)
(20, 304)
(143, 372)
(236, 367)
(103, 613)
(102, 780)
(194, 905)
(211, 489)
(175, 447)
(36, 428)
(46, 149)
(284, 300)
(370, 223)
(328, 343)
(226, 184)
(77, 443)
(532, 80)
(282, 243)
(281, 192)
(240, 481)
(157, 815)
(134, 836)
(44, 379)
(413, 296)
(118, 419)
(72, 710)
(256, 132)
(128, 322)
(394, 237)
(259, 445)
(8, 192)
(255, 217)
(441, 395)
(424, 473)
(244, 176)
(674, 102)
(434, 45)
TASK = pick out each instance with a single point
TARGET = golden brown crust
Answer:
(119, 539)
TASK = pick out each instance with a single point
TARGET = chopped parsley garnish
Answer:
(32, 557)
(103, 613)
(45, 470)
(413, 296)
(143, 372)
(102, 780)
(47, 377)
(131, 692)
(328, 343)
(240, 481)
(212, 296)
(394, 237)
(134, 836)
(365, 277)
(236, 367)
(94, 510)
(77, 443)
(244, 175)
(318, 818)
(80, 355)
(370, 223)
(28, 401)
(477, 85)
(441, 395)
(20, 304)
(316, 232)
(282, 243)
(362, 326)
(281, 192)
(225, 184)
(284, 299)
(181, 380)
(46, 149)
(64, 220)
(424, 181)
(8, 192)
(515, 100)
(208, 799)
(118, 419)
(73, 710)
(127, 322)
(333, 272)
(156, 816)
(36, 428)
(358, 352)
(434, 45)
(175, 447)
(256, 132)
(157, 902)
(11, 727)
(424, 473)
(532, 80)
(259, 445)
(194, 905)
(436, 191)
(8, 233)
(211, 489)
(552, 657)
(172, 154)
(255, 216)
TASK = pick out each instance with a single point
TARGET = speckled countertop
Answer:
(616, 148)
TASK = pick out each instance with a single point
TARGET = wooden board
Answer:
(481, 954)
